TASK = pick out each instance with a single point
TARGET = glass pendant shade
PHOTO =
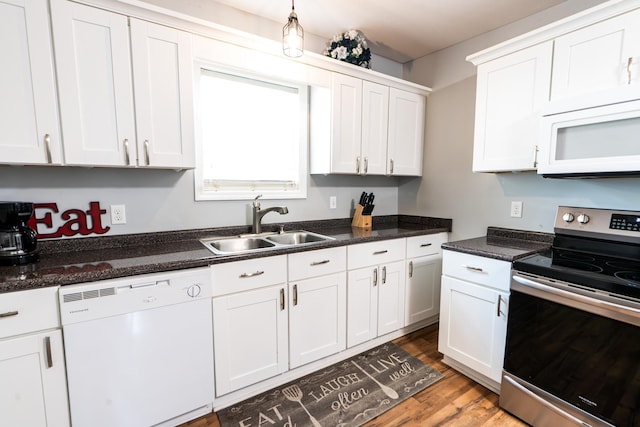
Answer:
(293, 36)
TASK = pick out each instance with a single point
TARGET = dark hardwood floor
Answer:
(455, 400)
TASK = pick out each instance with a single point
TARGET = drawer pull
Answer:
(425, 245)
(295, 295)
(9, 314)
(478, 269)
(380, 252)
(247, 275)
(282, 299)
(499, 303)
(324, 261)
(410, 269)
(384, 275)
(47, 350)
(375, 276)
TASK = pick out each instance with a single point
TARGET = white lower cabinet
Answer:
(249, 322)
(375, 290)
(33, 389)
(473, 313)
(424, 268)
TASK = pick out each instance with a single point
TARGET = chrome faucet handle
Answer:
(256, 203)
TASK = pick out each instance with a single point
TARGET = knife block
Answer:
(359, 220)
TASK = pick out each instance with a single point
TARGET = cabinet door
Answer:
(598, 57)
(406, 133)
(391, 291)
(28, 106)
(510, 95)
(250, 337)
(346, 124)
(375, 118)
(423, 288)
(94, 82)
(163, 95)
(362, 305)
(33, 390)
(317, 318)
(473, 326)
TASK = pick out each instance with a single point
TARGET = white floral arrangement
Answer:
(351, 47)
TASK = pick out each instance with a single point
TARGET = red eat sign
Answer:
(75, 221)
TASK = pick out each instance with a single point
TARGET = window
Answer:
(251, 139)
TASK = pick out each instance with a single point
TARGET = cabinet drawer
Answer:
(317, 263)
(429, 244)
(483, 271)
(249, 274)
(374, 253)
(28, 311)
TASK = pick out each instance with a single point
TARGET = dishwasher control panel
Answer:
(94, 300)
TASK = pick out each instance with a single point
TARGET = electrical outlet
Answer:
(516, 209)
(118, 214)
(332, 202)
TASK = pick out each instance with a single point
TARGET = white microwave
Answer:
(591, 142)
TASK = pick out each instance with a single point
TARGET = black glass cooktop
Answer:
(606, 266)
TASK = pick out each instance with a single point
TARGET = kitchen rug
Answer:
(345, 394)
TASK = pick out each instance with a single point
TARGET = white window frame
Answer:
(249, 191)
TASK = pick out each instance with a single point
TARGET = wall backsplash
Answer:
(161, 200)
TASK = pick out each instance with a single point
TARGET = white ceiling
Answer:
(401, 30)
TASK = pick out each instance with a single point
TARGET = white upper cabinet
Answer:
(374, 129)
(94, 81)
(28, 105)
(599, 57)
(406, 133)
(96, 86)
(162, 81)
(511, 92)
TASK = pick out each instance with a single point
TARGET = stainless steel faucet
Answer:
(258, 213)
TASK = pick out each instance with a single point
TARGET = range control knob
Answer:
(568, 217)
(193, 291)
(583, 219)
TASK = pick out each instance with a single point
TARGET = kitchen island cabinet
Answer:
(29, 120)
(33, 390)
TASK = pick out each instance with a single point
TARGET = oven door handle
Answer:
(604, 305)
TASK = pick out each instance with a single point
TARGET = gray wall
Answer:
(475, 201)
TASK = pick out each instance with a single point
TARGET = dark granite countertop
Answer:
(68, 261)
(503, 244)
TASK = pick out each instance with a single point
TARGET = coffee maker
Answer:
(17, 241)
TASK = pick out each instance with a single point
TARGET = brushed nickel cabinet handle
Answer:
(247, 275)
(380, 252)
(391, 166)
(375, 277)
(499, 303)
(410, 269)
(146, 152)
(425, 245)
(282, 306)
(9, 314)
(47, 147)
(358, 165)
(629, 63)
(366, 165)
(384, 275)
(478, 269)
(295, 295)
(127, 160)
(324, 261)
(47, 351)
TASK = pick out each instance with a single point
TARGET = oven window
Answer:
(589, 361)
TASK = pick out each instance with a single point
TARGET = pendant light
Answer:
(293, 35)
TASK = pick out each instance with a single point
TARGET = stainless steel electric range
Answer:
(573, 336)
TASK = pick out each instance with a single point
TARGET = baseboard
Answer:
(475, 376)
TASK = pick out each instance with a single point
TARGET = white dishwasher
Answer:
(139, 350)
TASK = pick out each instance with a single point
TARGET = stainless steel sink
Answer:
(264, 241)
(297, 237)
